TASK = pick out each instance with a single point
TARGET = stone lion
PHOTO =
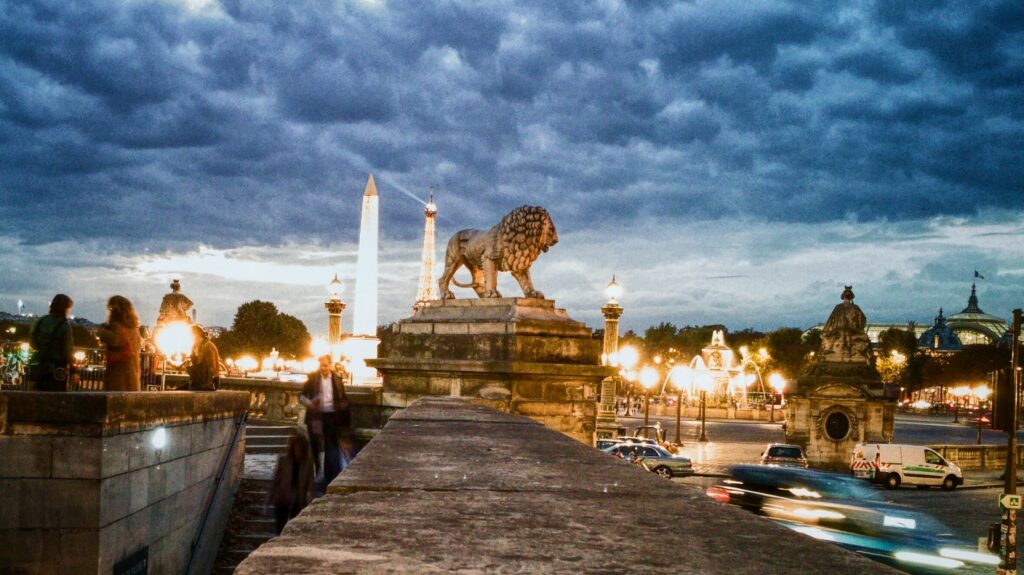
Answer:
(512, 246)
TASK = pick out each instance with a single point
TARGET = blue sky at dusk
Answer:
(731, 162)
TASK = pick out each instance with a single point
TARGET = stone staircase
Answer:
(252, 520)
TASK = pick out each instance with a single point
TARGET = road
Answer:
(966, 512)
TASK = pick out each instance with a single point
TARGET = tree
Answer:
(259, 327)
(788, 351)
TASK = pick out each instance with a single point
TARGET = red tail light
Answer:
(718, 494)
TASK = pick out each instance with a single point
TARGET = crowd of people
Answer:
(52, 344)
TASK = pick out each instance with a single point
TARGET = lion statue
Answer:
(511, 246)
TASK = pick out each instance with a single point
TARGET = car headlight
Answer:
(968, 555)
(930, 560)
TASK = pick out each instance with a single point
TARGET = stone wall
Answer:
(979, 456)
(85, 480)
(454, 487)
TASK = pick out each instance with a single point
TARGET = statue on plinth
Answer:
(174, 307)
(512, 245)
(844, 338)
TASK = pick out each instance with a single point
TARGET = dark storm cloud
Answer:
(148, 123)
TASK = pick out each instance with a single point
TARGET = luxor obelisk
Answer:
(363, 342)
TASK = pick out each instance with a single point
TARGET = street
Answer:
(966, 512)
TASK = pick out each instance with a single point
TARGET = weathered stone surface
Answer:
(78, 495)
(449, 486)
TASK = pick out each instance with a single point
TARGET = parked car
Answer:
(652, 434)
(603, 444)
(653, 458)
(850, 513)
(783, 455)
(894, 464)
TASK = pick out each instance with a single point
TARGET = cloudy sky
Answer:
(730, 161)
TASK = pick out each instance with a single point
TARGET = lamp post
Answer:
(681, 377)
(606, 424)
(981, 392)
(705, 383)
(648, 379)
(334, 308)
(958, 392)
(778, 383)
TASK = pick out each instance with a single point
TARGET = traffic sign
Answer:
(1008, 501)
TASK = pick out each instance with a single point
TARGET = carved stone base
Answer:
(520, 355)
(836, 406)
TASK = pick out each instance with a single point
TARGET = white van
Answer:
(894, 464)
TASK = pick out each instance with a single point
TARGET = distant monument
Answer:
(839, 400)
(520, 355)
(363, 342)
(510, 246)
(844, 338)
(427, 289)
(174, 307)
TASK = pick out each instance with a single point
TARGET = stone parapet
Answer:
(90, 479)
(450, 486)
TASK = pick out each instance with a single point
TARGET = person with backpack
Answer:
(52, 343)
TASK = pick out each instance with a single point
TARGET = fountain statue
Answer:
(174, 307)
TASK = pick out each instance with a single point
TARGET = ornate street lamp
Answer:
(612, 311)
(682, 377)
(705, 383)
(648, 379)
(778, 384)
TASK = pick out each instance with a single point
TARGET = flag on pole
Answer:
(977, 275)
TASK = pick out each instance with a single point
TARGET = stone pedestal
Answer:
(835, 406)
(519, 355)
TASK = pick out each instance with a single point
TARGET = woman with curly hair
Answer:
(121, 336)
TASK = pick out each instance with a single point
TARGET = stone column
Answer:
(607, 427)
(334, 308)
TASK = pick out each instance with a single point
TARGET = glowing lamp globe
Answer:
(175, 339)
(319, 347)
(648, 377)
(613, 290)
(334, 287)
(628, 357)
(777, 382)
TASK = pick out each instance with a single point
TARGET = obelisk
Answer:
(362, 344)
(426, 291)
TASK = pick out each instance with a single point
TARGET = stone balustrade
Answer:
(979, 456)
(450, 486)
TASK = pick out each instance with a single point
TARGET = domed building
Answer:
(974, 326)
(940, 338)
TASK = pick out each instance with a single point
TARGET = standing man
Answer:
(204, 371)
(52, 343)
(327, 411)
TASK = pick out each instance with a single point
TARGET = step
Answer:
(225, 569)
(254, 539)
(264, 524)
(264, 449)
(270, 428)
(266, 440)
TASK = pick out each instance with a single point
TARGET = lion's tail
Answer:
(460, 284)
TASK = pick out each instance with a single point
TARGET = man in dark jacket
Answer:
(204, 366)
(52, 345)
(327, 410)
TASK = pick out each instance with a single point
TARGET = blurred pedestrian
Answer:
(292, 487)
(52, 344)
(120, 335)
(346, 448)
(327, 410)
(204, 368)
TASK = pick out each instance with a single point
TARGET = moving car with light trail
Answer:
(848, 512)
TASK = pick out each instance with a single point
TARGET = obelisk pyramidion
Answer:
(362, 344)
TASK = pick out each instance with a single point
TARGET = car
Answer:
(653, 458)
(847, 512)
(896, 464)
(603, 444)
(783, 455)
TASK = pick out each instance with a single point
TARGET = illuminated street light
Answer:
(778, 384)
(628, 357)
(613, 291)
(648, 379)
(705, 383)
(319, 347)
